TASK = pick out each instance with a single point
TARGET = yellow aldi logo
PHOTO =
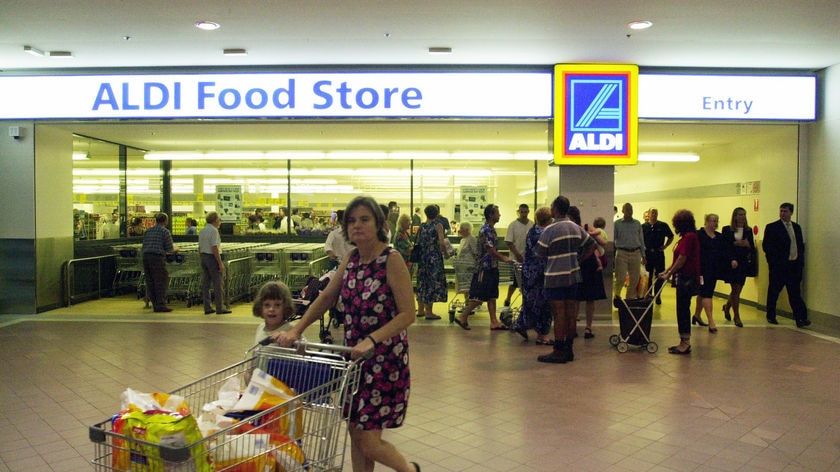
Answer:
(596, 114)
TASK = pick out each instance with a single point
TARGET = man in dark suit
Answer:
(785, 251)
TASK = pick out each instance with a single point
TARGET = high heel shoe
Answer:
(738, 322)
(726, 312)
(698, 321)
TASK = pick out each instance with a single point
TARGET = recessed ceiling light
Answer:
(440, 50)
(34, 51)
(207, 25)
(639, 24)
(235, 52)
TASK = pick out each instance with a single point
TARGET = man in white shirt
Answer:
(212, 267)
(110, 229)
(336, 246)
(517, 232)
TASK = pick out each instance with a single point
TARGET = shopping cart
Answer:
(323, 382)
(508, 314)
(634, 318)
(463, 277)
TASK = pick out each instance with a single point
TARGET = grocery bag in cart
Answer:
(314, 420)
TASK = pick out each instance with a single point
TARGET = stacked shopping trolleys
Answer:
(323, 382)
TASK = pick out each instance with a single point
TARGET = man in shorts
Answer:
(485, 282)
(562, 244)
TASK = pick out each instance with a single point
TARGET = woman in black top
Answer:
(712, 264)
(740, 247)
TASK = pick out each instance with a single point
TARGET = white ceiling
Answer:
(801, 34)
(772, 34)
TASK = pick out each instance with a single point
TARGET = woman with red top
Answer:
(686, 272)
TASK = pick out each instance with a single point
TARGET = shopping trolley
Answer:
(323, 383)
(463, 277)
(508, 314)
(634, 318)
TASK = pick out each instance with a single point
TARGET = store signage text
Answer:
(159, 95)
(279, 95)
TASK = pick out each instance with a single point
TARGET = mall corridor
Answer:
(760, 398)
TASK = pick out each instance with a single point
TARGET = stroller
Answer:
(313, 287)
(634, 319)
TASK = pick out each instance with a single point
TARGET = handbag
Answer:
(416, 254)
(751, 269)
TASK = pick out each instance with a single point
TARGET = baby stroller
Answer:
(634, 319)
(313, 287)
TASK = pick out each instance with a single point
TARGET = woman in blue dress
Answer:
(431, 279)
(535, 313)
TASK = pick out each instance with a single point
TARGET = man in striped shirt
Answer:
(563, 244)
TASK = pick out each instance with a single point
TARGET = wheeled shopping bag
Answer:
(635, 316)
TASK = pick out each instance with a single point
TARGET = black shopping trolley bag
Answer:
(632, 311)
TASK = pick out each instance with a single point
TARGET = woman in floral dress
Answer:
(431, 279)
(373, 290)
(535, 313)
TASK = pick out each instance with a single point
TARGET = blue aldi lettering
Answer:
(155, 96)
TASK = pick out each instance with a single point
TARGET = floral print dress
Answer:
(431, 278)
(368, 303)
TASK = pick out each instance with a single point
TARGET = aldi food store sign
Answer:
(595, 114)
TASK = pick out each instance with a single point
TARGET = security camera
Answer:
(14, 132)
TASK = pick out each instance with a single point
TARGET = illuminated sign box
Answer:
(727, 97)
(595, 114)
(279, 95)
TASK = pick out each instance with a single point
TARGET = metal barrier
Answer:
(88, 277)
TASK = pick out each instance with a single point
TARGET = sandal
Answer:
(544, 342)
(676, 350)
(587, 334)
(464, 325)
(499, 328)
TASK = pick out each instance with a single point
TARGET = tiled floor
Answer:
(761, 398)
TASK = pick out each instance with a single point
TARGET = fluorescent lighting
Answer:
(639, 24)
(529, 192)
(533, 156)
(482, 156)
(207, 25)
(440, 50)
(235, 52)
(668, 157)
(34, 51)
(80, 156)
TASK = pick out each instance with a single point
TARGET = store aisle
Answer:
(761, 398)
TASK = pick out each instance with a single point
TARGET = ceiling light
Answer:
(668, 157)
(61, 54)
(34, 51)
(235, 52)
(207, 25)
(80, 156)
(639, 24)
(440, 50)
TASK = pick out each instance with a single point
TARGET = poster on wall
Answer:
(229, 202)
(473, 200)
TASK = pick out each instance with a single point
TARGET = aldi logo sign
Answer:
(595, 114)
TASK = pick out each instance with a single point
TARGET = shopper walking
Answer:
(157, 243)
(212, 267)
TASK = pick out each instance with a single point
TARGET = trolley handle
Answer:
(306, 345)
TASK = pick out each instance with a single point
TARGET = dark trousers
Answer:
(655, 265)
(157, 279)
(788, 276)
(684, 295)
(211, 275)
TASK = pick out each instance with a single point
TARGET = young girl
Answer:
(274, 305)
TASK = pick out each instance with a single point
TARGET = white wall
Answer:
(820, 191)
